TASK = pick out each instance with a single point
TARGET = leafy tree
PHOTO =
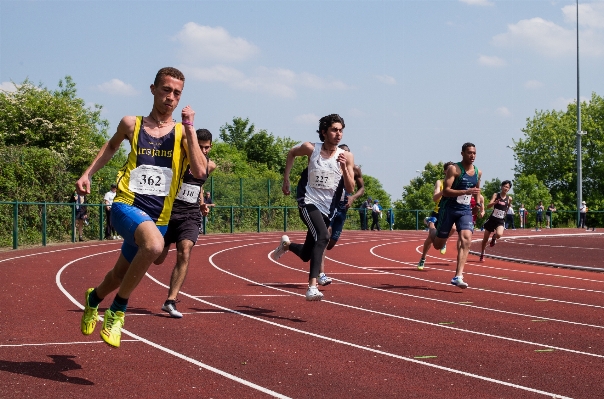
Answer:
(238, 133)
(262, 148)
(548, 151)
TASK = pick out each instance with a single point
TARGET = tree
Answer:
(238, 133)
(548, 151)
(263, 149)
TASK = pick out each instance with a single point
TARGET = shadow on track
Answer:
(49, 371)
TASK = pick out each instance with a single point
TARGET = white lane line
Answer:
(458, 303)
(380, 352)
(163, 348)
(64, 343)
(486, 289)
(236, 296)
(481, 265)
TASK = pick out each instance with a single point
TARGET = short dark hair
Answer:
(446, 166)
(466, 145)
(114, 185)
(344, 147)
(503, 183)
(204, 135)
(168, 71)
(326, 122)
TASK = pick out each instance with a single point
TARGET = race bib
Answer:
(464, 199)
(151, 180)
(323, 179)
(498, 213)
(189, 193)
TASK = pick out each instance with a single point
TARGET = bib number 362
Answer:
(151, 180)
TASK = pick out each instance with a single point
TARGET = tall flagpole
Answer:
(579, 132)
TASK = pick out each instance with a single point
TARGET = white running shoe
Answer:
(323, 280)
(458, 282)
(313, 294)
(171, 309)
(277, 253)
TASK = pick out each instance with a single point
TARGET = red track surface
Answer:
(519, 331)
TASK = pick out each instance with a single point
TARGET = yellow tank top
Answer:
(151, 177)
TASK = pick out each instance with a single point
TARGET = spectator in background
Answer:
(368, 204)
(539, 216)
(81, 214)
(108, 201)
(582, 214)
(509, 218)
(390, 216)
(207, 201)
(522, 213)
(376, 214)
(548, 215)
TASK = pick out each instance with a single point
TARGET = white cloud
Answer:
(553, 40)
(561, 103)
(8, 86)
(307, 119)
(207, 44)
(590, 15)
(503, 111)
(386, 79)
(277, 82)
(477, 2)
(491, 61)
(533, 84)
(117, 87)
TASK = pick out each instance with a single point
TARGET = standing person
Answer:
(337, 223)
(81, 213)
(522, 213)
(330, 170)
(207, 200)
(509, 221)
(539, 216)
(146, 188)
(368, 204)
(108, 201)
(461, 183)
(185, 222)
(376, 214)
(582, 214)
(548, 215)
(432, 220)
(500, 202)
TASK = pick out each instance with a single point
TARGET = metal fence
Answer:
(35, 223)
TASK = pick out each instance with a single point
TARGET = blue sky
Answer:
(413, 80)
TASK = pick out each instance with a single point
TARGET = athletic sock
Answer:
(170, 302)
(119, 304)
(93, 299)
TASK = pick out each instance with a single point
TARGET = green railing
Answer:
(35, 223)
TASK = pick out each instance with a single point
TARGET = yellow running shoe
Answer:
(420, 265)
(443, 250)
(90, 316)
(112, 327)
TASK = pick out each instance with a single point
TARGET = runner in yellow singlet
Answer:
(147, 185)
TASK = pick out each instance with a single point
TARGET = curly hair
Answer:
(326, 122)
(168, 71)
(446, 166)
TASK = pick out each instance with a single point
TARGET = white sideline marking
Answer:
(64, 343)
(234, 296)
(162, 348)
(411, 360)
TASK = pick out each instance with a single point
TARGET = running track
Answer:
(384, 329)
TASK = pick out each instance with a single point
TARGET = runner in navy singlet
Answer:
(185, 223)
(461, 182)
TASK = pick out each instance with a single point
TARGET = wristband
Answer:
(187, 123)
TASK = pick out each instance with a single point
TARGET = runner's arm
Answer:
(437, 195)
(124, 131)
(346, 160)
(452, 173)
(304, 149)
(358, 178)
(197, 161)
